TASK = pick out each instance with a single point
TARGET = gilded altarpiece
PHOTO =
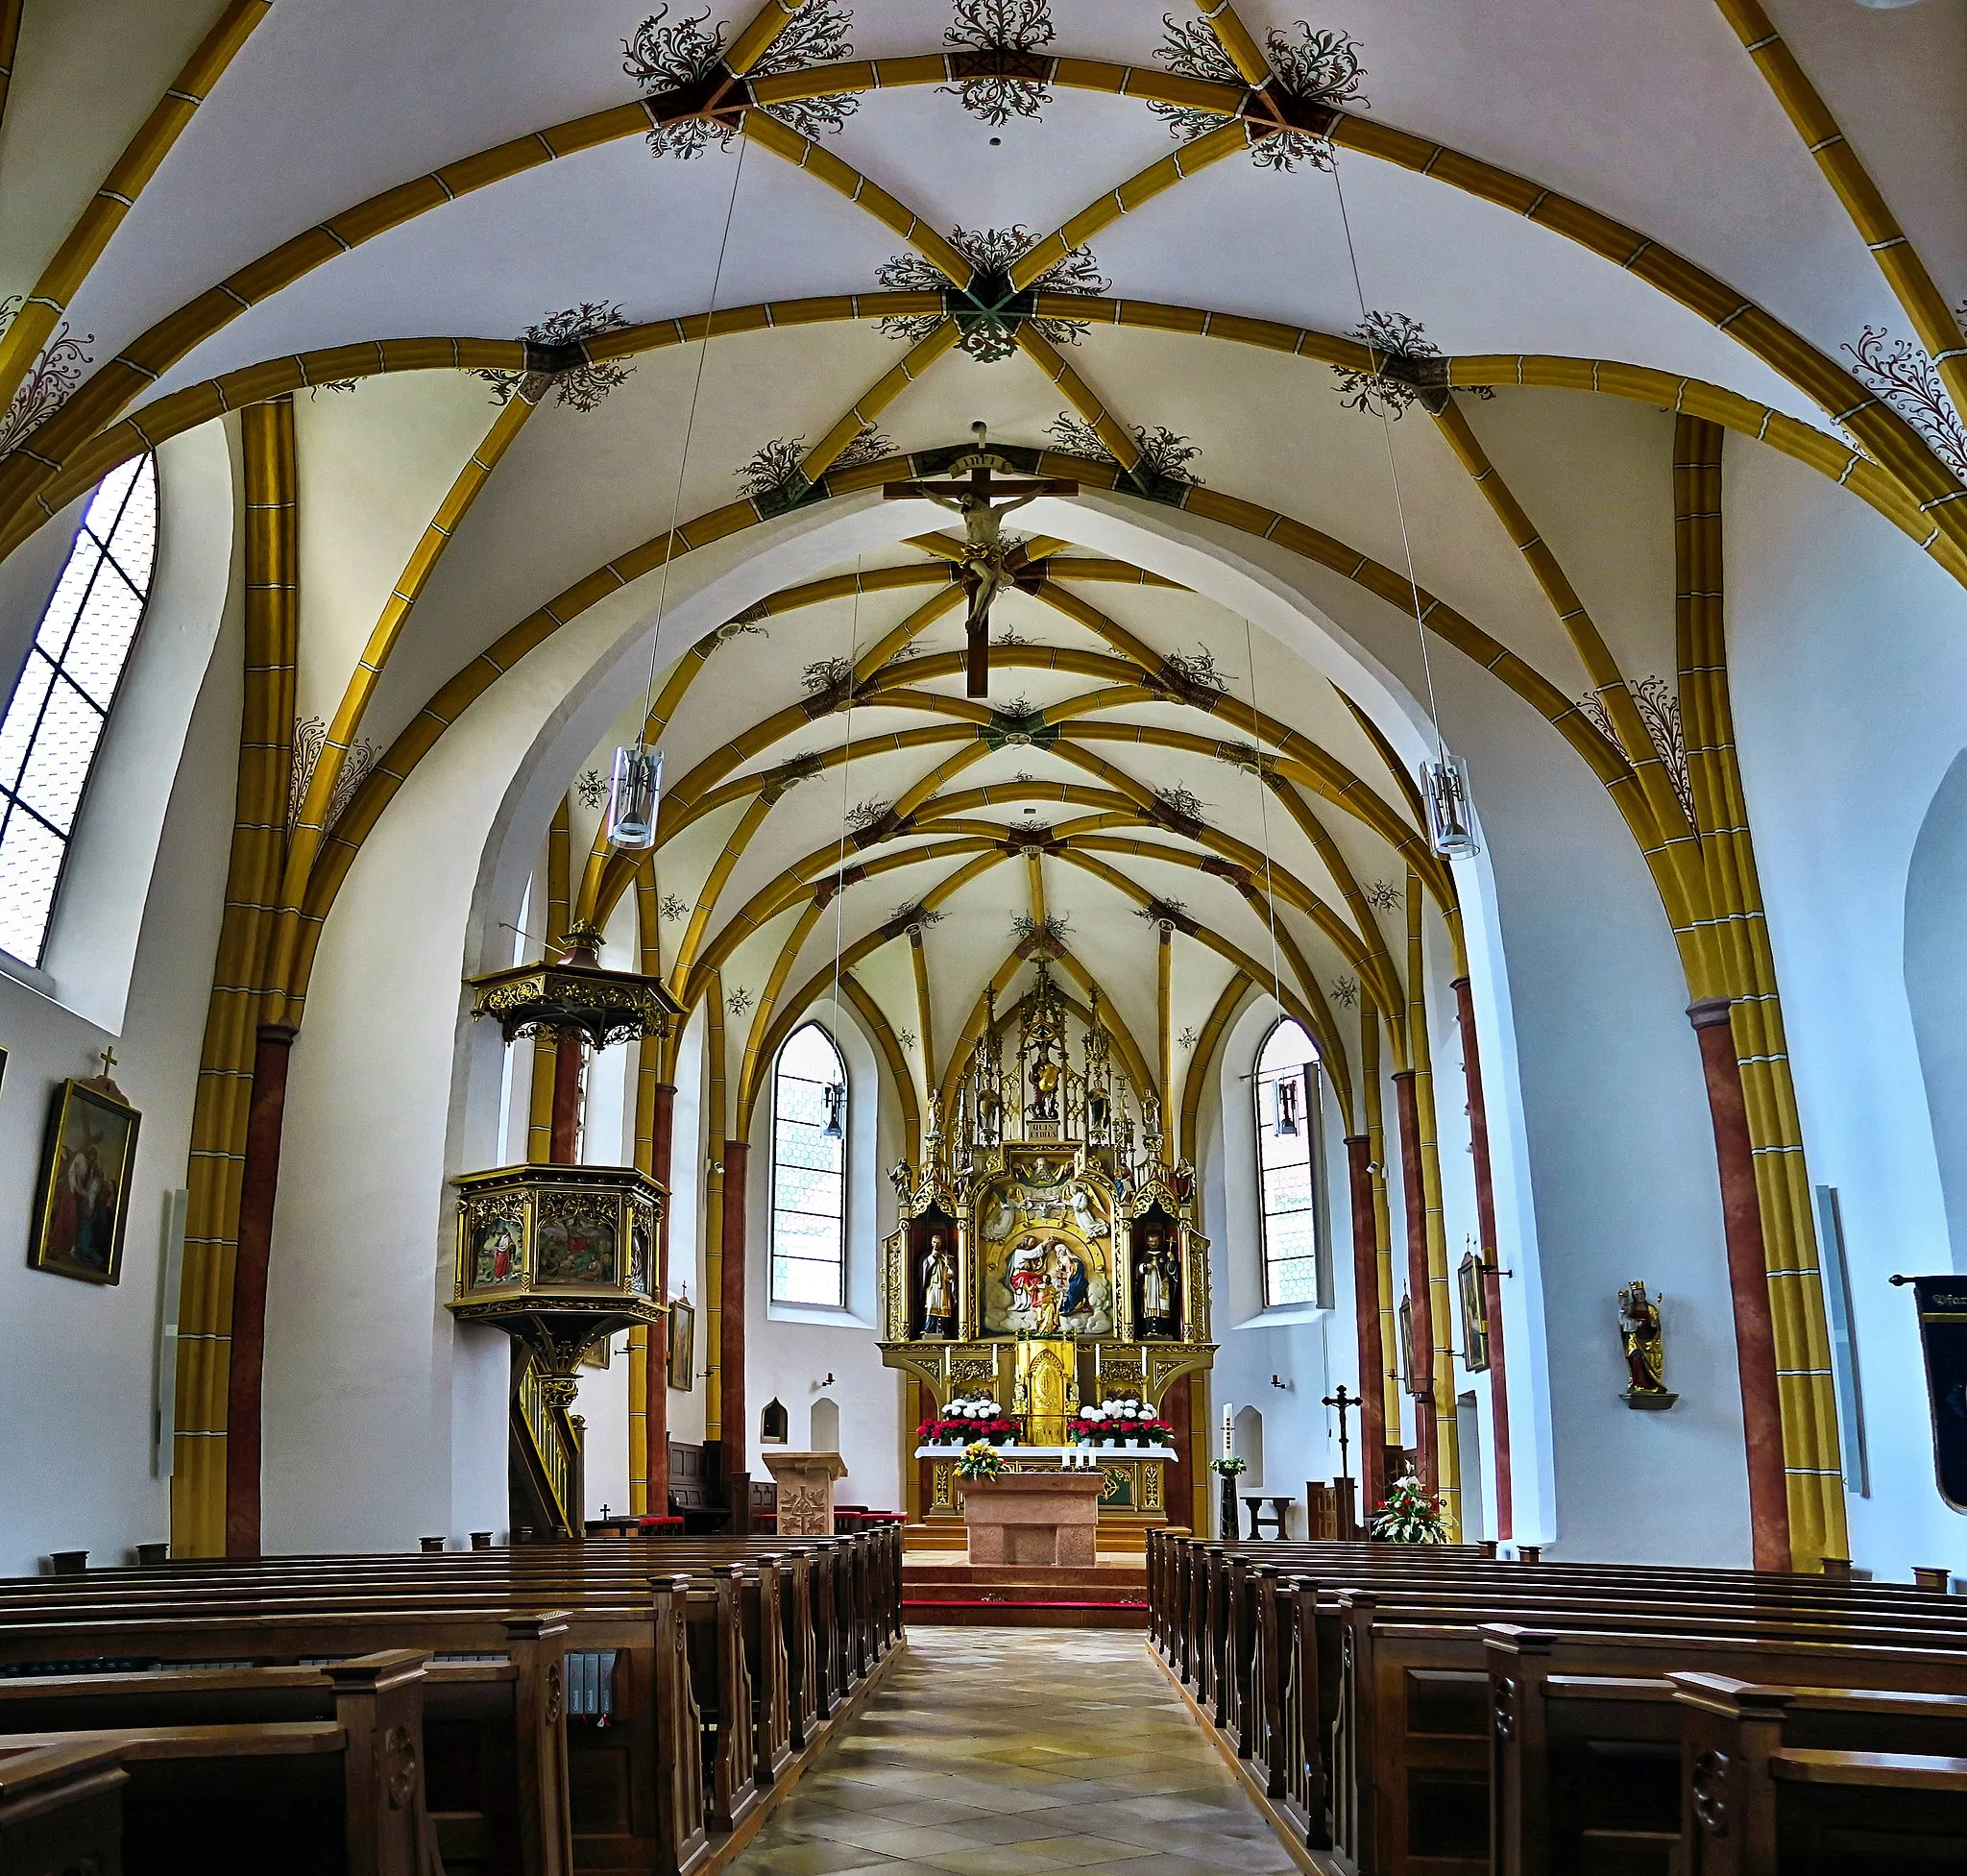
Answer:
(1046, 1257)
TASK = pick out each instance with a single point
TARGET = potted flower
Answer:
(980, 1460)
(1407, 1515)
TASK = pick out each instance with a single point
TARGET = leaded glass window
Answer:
(810, 1171)
(60, 705)
(1286, 1087)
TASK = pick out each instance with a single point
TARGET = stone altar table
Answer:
(1047, 1518)
(806, 1491)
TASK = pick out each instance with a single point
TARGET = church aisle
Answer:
(994, 1752)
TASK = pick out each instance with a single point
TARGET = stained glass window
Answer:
(62, 701)
(810, 1171)
(1286, 1085)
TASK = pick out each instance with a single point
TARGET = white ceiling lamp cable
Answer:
(1263, 810)
(846, 765)
(635, 787)
(1444, 781)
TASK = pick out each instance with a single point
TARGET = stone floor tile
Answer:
(1012, 1752)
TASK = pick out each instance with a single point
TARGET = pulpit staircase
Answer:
(549, 1489)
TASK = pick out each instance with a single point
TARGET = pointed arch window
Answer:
(809, 1242)
(1286, 1090)
(55, 719)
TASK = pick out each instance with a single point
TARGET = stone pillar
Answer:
(735, 1428)
(1419, 1304)
(806, 1491)
(1491, 1276)
(655, 1354)
(258, 1185)
(1748, 1279)
(1373, 1355)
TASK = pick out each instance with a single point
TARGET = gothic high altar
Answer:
(1047, 1260)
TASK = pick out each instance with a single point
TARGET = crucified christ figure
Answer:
(983, 561)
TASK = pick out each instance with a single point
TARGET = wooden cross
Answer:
(976, 498)
(108, 1062)
(1345, 1403)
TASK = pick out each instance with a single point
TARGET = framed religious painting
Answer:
(682, 1344)
(1474, 1318)
(85, 1189)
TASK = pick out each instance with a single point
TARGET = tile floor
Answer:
(998, 1752)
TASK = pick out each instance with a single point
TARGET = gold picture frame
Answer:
(84, 1184)
(682, 1351)
(1474, 1316)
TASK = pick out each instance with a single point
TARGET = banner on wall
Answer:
(1943, 1336)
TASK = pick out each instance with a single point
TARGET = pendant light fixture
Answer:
(634, 791)
(1443, 781)
(835, 1106)
(1450, 827)
(635, 786)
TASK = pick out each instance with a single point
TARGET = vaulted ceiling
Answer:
(1387, 281)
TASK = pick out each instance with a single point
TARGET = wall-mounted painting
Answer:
(85, 1185)
(682, 1344)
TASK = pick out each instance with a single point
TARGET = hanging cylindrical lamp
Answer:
(635, 793)
(1450, 821)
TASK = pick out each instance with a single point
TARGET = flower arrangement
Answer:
(967, 1420)
(1407, 1515)
(1118, 1418)
(980, 1460)
(1228, 1468)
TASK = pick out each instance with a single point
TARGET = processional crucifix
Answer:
(977, 500)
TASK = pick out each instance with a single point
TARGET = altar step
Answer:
(1119, 1534)
(949, 1593)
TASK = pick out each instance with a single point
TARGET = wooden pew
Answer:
(305, 1796)
(777, 1629)
(61, 1808)
(1395, 1674)
(1757, 1799)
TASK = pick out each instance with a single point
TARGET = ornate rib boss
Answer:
(1046, 1260)
(560, 1254)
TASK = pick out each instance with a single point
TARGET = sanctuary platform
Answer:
(943, 1589)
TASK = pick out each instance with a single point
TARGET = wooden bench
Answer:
(1353, 1678)
(312, 1796)
(681, 1703)
(61, 1808)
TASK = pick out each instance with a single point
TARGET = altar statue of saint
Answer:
(1045, 1079)
(1158, 1283)
(939, 1288)
(1645, 1344)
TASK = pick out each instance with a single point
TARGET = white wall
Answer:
(1619, 1149)
(1848, 658)
(76, 1360)
(789, 1352)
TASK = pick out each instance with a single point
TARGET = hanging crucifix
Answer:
(980, 500)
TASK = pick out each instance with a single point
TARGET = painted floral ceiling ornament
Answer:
(999, 67)
(1167, 455)
(556, 362)
(1317, 72)
(775, 465)
(47, 387)
(1901, 374)
(684, 59)
(672, 907)
(988, 310)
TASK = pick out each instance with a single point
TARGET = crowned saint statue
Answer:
(1645, 1343)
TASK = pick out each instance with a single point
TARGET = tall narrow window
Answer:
(810, 1171)
(55, 721)
(1287, 1197)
